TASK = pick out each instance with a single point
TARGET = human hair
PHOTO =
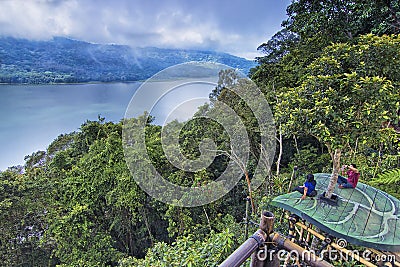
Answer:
(310, 177)
(354, 165)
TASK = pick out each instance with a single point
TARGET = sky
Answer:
(237, 27)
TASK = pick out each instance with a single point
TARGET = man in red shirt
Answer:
(352, 177)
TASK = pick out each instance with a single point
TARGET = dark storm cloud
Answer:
(231, 26)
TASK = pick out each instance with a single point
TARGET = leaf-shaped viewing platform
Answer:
(363, 216)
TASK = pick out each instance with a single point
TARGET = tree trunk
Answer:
(295, 144)
(278, 161)
(147, 225)
(335, 173)
(208, 219)
(393, 14)
(291, 179)
(253, 207)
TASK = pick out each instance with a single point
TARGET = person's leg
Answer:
(313, 193)
(347, 185)
(299, 189)
(341, 180)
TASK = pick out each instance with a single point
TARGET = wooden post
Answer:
(242, 253)
(337, 247)
(253, 244)
(292, 220)
(261, 258)
(305, 255)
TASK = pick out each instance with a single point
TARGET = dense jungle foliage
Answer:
(332, 79)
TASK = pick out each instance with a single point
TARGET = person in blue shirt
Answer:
(308, 189)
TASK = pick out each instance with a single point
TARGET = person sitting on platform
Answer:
(308, 189)
(352, 177)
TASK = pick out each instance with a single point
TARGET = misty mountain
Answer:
(63, 60)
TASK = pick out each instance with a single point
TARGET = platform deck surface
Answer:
(363, 216)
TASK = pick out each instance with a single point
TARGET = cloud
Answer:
(231, 26)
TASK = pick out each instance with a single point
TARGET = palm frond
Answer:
(387, 178)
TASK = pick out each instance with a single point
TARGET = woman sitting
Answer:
(308, 189)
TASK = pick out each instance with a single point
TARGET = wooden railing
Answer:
(262, 247)
(265, 247)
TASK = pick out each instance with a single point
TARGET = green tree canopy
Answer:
(338, 20)
(347, 94)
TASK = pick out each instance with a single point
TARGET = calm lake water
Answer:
(34, 115)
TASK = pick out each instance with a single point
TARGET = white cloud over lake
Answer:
(233, 26)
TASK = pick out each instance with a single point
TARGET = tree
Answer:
(311, 26)
(252, 113)
(390, 180)
(350, 90)
(97, 213)
(278, 46)
(339, 20)
(187, 251)
(23, 220)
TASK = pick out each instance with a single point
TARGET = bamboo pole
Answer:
(292, 234)
(387, 254)
(305, 255)
(257, 240)
(242, 253)
(261, 258)
(339, 248)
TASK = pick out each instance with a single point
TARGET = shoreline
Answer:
(78, 83)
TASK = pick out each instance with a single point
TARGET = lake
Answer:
(34, 115)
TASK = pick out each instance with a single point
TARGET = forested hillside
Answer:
(332, 80)
(63, 60)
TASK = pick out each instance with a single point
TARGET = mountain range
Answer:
(63, 60)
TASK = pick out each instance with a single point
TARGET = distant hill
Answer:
(63, 60)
